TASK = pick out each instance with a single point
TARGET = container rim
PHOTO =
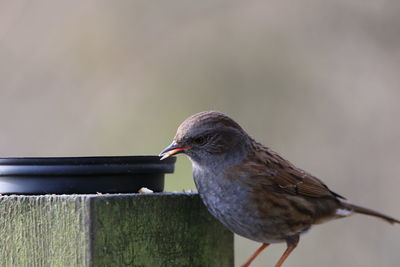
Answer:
(85, 160)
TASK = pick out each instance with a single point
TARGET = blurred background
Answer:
(317, 81)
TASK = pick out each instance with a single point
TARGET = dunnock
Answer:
(252, 190)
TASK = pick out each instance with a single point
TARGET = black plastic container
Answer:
(83, 175)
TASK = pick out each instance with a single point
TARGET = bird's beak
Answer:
(172, 149)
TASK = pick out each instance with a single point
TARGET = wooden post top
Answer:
(159, 229)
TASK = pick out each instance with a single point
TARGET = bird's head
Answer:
(209, 138)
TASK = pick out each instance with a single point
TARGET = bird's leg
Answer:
(255, 254)
(292, 242)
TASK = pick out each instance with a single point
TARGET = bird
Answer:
(251, 189)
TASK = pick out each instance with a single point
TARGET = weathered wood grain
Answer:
(111, 230)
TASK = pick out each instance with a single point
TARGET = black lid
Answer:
(84, 165)
(83, 175)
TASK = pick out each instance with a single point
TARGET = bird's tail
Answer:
(366, 211)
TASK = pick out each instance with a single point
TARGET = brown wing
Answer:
(291, 179)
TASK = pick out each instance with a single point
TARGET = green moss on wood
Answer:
(44, 231)
(111, 230)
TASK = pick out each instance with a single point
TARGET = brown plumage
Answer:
(251, 189)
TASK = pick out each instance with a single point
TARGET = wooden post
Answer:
(162, 229)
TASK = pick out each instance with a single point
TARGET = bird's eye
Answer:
(201, 140)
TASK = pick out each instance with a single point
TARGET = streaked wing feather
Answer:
(294, 180)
